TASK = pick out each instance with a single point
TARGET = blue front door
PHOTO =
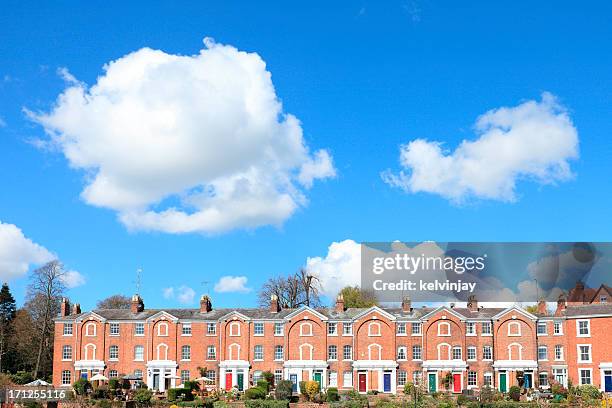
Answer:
(387, 382)
(293, 379)
(608, 381)
(527, 380)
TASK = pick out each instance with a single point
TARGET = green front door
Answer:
(433, 387)
(502, 382)
(240, 381)
(317, 378)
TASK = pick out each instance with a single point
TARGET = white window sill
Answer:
(585, 361)
(258, 359)
(542, 334)
(583, 335)
(486, 335)
(258, 335)
(66, 359)
(185, 359)
(141, 359)
(211, 334)
(332, 335)
(401, 335)
(416, 335)
(139, 335)
(374, 335)
(471, 359)
(67, 335)
(185, 335)
(211, 359)
(279, 359)
(417, 359)
(558, 334)
(113, 359)
(347, 359)
(278, 335)
(347, 335)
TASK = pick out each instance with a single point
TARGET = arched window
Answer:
(306, 329)
(90, 329)
(90, 352)
(401, 353)
(444, 351)
(444, 329)
(234, 329)
(514, 329)
(374, 352)
(67, 353)
(162, 352)
(306, 351)
(515, 351)
(162, 329)
(234, 352)
(374, 329)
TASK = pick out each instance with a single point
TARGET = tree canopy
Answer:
(354, 296)
(114, 302)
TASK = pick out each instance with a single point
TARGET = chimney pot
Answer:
(137, 305)
(205, 304)
(406, 305)
(65, 307)
(472, 303)
(340, 303)
(274, 305)
(76, 309)
(542, 307)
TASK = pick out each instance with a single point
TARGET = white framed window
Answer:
(68, 331)
(67, 353)
(347, 329)
(186, 353)
(584, 353)
(558, 328)
(139, 329)
(415, 329)
(486, 329)
(332, 352)
(212, 376)
(184, 376)
(472, 379)
(401, 329)
(258, 353)
(333, 379)
(347, 379)
(347, 352)
(417, 352)
(543, 379)
(113, 352)
(90, 329)
(332, 329)
(444, 329)
(559, 352)
(470, 329)
(258, 329)
(66, 377)
(234, 329)
(585, 376)
(278, 375)
(542, 353)
(186, 329)
(417, 377)
(162, 351)
(456, 353)
(583, 328)
(278, 352)
(138, 373)
(257, 375)
(514, 329)
(471, 353)
(162, 329)
(278, 329)
(306, 329)
(401, 378)
(374, 329)
(541, 327)
(487, 353)
(487, 379)
(113, 374)
(401, 353)
(139, 353)
(114, 329)
(211, 353)
(211, 329)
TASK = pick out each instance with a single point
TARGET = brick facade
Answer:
(364, 349)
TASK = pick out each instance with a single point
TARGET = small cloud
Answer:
(168, 293)
(2, 123)
(229, 284)
(184, 294)
(67, 76)
(18, 253)
(72, 279)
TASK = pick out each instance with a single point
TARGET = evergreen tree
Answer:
(7, 314)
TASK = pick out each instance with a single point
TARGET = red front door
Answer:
(228, 381)
(362, 382)
(456, 382)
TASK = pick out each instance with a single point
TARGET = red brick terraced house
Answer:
(444, 348)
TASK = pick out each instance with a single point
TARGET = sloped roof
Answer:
(590, 309)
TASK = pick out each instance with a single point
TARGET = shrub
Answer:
(462, 400)
(264, 385)
(255, 393)
(284, 390)
(104, 404)
(143, 396)
(332, 394)
(312, 388)
(113, 383)
(183, 394)
(515, 393)
(220, 404)
(101, 392)
(302, 385)
(268, 376)
(266, 404)
(558, 390)
(191, 385)
(22, 377)
(473, 404)
(81, 386)
(589, 392)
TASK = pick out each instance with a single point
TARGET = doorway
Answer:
(608, 380)
(228, 381)
(362, 382)
(528, 378)
(456, 383)
(432, 380)
(240, 381)
(317, 378)
(387, 382)
(294, 382)
(502, 382)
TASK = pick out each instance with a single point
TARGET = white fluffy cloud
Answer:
(228, 284)
(184, 294)
(341, 267)
(186, 143)
(534, 141)
(18, 253)
(72, 279)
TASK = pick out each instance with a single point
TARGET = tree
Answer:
(7, 315)
(44, 293)
(531, 308)
(354, 296)
(293, 291)
(114, 302)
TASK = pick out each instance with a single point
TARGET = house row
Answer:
(442, 348)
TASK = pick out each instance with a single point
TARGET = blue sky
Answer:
(363, 78)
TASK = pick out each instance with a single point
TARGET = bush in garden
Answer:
(220, 404)
(515, 393)
(255, 393)
(302, 385)
(81, 386)
(284, 390)
(184, 394)
(22, 377)
(312, 388)
(101, 392)
(143, 396)
(104, 404)
(264, 385)
(266, 404)
(113, 383)
(332, 394)
(268, 376)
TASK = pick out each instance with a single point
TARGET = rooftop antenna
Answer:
(205, 284)
(138, 280)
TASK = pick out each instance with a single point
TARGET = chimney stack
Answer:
(274, 305)
(340, 303)
(137, 305)
(64, 308)
(472, 303)
(542, 307)
(561, 305)
(205, 304)
(76, 309)
(406, 305)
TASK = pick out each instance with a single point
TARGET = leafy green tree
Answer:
(7, 315)
(354, 296)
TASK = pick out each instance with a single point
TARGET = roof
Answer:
(588, 310)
